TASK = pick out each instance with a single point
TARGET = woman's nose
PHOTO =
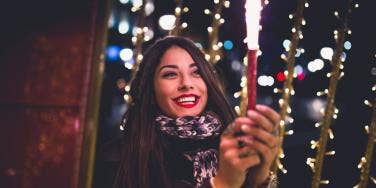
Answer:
(185, 83)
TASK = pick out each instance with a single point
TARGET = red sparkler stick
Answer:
(251, 79)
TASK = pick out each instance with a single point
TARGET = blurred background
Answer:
(65, 67)
(314, 52)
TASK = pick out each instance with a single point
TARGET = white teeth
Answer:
(186, 99)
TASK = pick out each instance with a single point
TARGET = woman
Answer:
(181, 132)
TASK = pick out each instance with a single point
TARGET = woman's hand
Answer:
(248, 144)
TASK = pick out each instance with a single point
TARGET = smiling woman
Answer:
(181, 132)
(179, 88)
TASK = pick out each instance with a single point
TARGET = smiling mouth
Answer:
(187, 101)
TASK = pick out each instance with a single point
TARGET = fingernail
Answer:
(244, 128)
(251, 113)
(259, 107)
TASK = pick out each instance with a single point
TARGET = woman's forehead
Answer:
(176, 56)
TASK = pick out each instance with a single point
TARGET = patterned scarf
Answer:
(189, 128)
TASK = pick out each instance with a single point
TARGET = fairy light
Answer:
(179, 10)
(289, 74)
(366, 102)
(291, 120)
(227, 4)
(366, 161)
(140, 34)
(331, 135)
(243, 91)
(313, 144)
(366, 128)
(290, 132)
(213, 29)
(137, 39)
(121, 128)
(237, 94)
(331, 112)
(311, 163)
(283, 57)
(318, 124)
(237, 110)
(127, 98)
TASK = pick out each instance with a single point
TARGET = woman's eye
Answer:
(197, 72)
(168, 75)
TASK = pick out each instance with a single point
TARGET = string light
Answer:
(290, 132)
(314, 144)
(365, 162)
(213, 30)
(289, 75)
(331, 112)
(318, 124)
(178, 26)
(366, 102)
(137, 39)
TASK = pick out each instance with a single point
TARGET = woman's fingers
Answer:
(259, 134)
(231, 129)
(235, 142)
(269, 113)
(264, 117)
(261, 120)
(240, 158)
(244, 121)
(267, 153)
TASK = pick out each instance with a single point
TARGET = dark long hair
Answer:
(142, 163)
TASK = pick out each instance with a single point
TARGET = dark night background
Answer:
(350, 138)
(359, 68)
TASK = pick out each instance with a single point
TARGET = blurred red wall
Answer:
(51, 65)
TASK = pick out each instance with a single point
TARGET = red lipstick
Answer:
(187, 100)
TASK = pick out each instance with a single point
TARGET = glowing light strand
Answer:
(366, 161)
(214, 47)
(140, 33)
(244, 91)
(290, 60)
(178, 12)
(330, 107)
(137, 40)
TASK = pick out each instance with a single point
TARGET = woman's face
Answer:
(179, 88)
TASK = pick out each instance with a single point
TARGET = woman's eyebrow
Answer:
(193, 65)
(175, 66)
(167, 66)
